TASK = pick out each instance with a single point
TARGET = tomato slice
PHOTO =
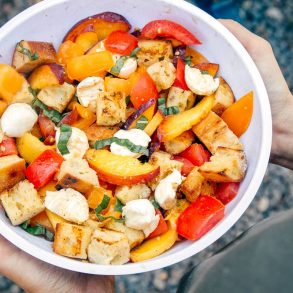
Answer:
(180, 75)
(42, 170)
(169, 29)
(227, 191)
(196, 154)
(143, 90)
(121, 42)
(187, 165)
(8, 147)
(200, 217)
(47, 126)
(161, 228)
(70, 117)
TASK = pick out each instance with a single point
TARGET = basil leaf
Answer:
(172, 110)
(134, 52)
(99, 144)
(204, 72)
(103, 205)
(65, 134)
(142, 122)
(188, 60)
(118, 66)
(118, 206)
(167, 111)
(34, 92)
(155, 204)
(21, 49)
(37, 230)
(53, 115)
(127, 100)
(102, 218)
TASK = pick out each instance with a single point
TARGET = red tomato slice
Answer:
(47, 126)
(227, 191)
(196, 154)
(70, 118)
(161, 228)
(121, 42)
(42, 170)
(200, 217)
(180, 75)
(169, 29)
(8, 147)
(187, 165)
(143, 90)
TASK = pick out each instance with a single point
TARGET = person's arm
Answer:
(279, 94)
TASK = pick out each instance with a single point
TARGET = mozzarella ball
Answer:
(129, 66)
(199, 83)
(77, 144)
(140, 214)
(18, 119)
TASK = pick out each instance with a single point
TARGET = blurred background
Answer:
(273, 20)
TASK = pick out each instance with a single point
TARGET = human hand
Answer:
(281, 99)
(35, 276)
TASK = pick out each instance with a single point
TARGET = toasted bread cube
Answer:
(72, 240)
(108, 247)
(94, 224)
(152, 51)
(29, 55)
(166, 164)
(24, 95)
(77, 174)
(111, 108)
(180, 143)
(213, 132)
(180, 98)
(208, 188)
(191, 186)
(22, 202)
(12, 170)
(224, 97)
(96, 132)
(129, 193)
(58, 96)
(226, 165)
(135, 237)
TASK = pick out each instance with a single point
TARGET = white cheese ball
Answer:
(199, 83)
(77, 144)
(140, 214)
(129, 66)
(87, 92)
(69, 204)
(165, 193)
(136, 136)
(18, 119)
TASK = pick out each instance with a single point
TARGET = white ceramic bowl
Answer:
(51, 19)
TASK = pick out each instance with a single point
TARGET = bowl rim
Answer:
(222, 227)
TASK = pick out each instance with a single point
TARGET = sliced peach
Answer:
(87, 40)
(117, 85)
(154, 123)
(197, 57)
(68, 50)
(120, 170)
(42, 219)
(211, 68)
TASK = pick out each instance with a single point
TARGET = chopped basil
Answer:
(188, 60)
(37, 230)
(142, 123)
(34, 92)
(155, 204)
(127, 100)
(21, 49)
(102, 218)
(118, 66)
(118, 206)
(134, 52)
(65, 134)
(167, 111)
(204, 72)
(53, 115)
(99, 144)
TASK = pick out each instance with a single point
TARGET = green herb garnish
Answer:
(34, 92)
(118, 66)
(127, 100)
(99, 144)
(142, 122)
(155, 204)
(204, 72)
(118, 206)
(102, 218)
(21, 49)
(172, 110)
(65, 134)
(134, 52)
(37, 230)
(53, 115)
(167, 111)
(188, 60)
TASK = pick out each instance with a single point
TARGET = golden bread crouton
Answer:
(108, 247)
(226, 165)
(77, 174)
(28, 55)
(129, 193)
(152, 51)
(180, 98)
(22, 202)
(208, 188)
(191, 186)
(96, 132)
(57, 96)
(24, 95)
(111, 108)
(12, 170)
(180, 143)
(213, 132)
(72, 240)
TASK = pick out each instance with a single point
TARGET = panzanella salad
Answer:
(121, 143)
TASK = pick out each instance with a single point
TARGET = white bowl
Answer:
(51, 19)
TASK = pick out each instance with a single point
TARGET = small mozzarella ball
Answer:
(140, 214)
(199, 83)
(136, 136)
(129, 66)
(87, 91)
(77, 144)
(18, 119)
(165, 193)
(68, 204)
